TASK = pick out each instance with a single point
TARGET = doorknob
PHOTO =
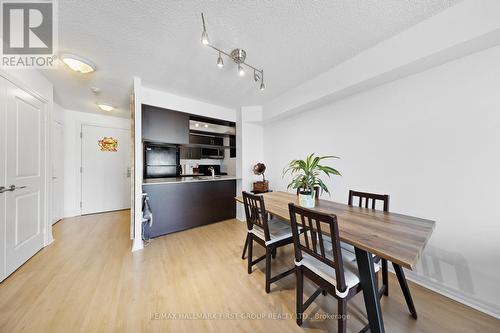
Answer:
(11, 188)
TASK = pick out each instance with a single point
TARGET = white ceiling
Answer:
(159, 41)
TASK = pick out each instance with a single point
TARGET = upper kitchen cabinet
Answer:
(163, 125)
(206, 140)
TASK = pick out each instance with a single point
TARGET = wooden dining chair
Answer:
(370, 200)
(270, 233)
(320, 258)
(316, 192)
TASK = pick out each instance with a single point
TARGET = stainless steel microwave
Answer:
(212, 153)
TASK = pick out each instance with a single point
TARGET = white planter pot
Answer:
(306, 200)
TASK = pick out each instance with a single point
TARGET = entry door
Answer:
(57, 172)
(105, 169)
(25, 174)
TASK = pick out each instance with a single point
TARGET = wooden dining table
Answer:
(395, 237)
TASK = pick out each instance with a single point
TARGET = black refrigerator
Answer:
(161, 161)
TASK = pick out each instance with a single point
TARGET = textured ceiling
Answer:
(159, 41)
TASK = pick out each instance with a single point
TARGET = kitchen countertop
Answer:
(176, 180)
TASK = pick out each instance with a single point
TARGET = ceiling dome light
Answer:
(106, 107)
(241, 71)
(78, 64)
(220, 63)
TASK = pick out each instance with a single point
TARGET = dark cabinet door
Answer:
(206, 140)
(199, 139)
(218, 141)
(166, 126)
(195, 153)
(179, 206)
(232, 143)
(190, 153)
(185, 153)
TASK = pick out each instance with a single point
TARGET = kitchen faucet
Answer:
(212, 170)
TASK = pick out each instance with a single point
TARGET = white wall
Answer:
(431, 141)
(468, 27)
(250, 149)
(73, 121)
(170, 101)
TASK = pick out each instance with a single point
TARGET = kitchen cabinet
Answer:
(190, 153)
(180, 206)
(232, 143)
(165, 126)
(206, 140)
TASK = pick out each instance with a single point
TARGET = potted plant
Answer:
(306, 177)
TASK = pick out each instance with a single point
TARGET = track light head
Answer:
(204, 38)
(241, 71)
(256, 76)
(204, 34)
(262, 86)
(220, 62)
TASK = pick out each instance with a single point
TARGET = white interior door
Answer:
(25, 175)
(57, 172)
(105, 169)
(3, 196)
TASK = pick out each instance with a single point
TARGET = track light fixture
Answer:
(237, 55)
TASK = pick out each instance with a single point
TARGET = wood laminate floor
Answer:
(191, 281)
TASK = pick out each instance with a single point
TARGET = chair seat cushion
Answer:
(328, 273)
(278, 230)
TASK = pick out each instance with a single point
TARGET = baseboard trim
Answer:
(137, 244)
(453, 294)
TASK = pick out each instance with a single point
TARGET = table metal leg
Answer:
(370, 291)
(406, 290)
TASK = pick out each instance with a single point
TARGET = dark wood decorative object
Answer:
(261, 186)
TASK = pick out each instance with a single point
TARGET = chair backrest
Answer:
(316, 191)
(311, 240)
(366, 197)
(255, 212)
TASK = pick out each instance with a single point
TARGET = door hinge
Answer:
(80, 204)
(81, 169)
(81, 134)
